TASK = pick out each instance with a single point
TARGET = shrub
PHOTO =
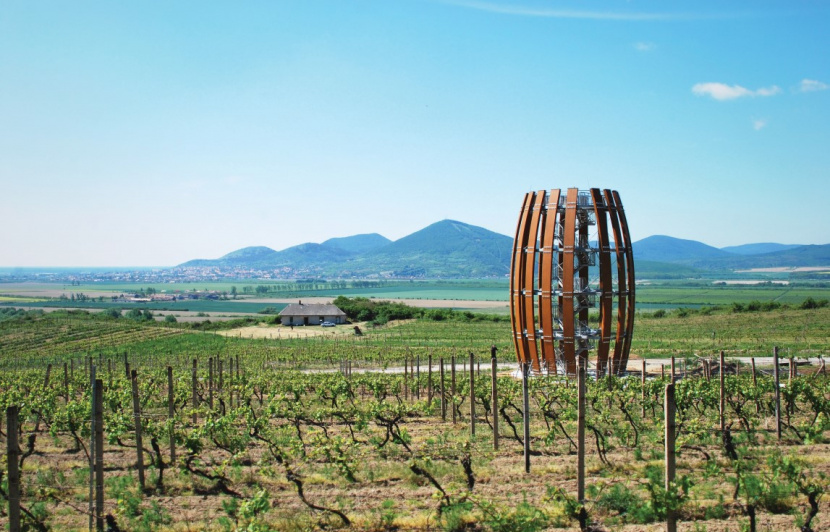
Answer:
(811, 303)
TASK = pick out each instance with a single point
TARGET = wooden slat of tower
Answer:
(546, 287)
(622, 281)
(530, 277)
(583, 283)
(568, 281)
(517, 309)
(605, 283)
(629, 263)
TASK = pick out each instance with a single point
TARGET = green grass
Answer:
(678, 296)
(78, 334)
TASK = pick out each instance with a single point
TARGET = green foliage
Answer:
(11, 313)
(251, 512)
(616, 499)
(455, 515)
(139, 315)
(364, 309)
(811, 303)
(756, 306)
(661, 500)
(524, 517)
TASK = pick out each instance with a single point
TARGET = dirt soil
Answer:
(286, 332)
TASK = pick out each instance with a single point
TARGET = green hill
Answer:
(444, 249)
(358, 243)
(661, 248)
(453, 249)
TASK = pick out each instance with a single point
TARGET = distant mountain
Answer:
(802, 256)
(453, 249)
(443, 249)
(249, 256)
(758, 249)
(358, 243)
(693, 254)
(308, 255)
(447, 249)
(661, 248)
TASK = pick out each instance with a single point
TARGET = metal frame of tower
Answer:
(551, 293)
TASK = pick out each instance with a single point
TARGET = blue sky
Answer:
(154, 132)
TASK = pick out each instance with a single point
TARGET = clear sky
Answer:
(154, 132)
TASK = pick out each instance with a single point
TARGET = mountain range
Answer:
(452, 249)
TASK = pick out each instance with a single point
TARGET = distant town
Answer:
(87, 276)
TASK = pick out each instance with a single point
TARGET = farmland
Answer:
(488, 296)
(282, 436)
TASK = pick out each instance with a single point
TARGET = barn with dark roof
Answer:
(311, 314)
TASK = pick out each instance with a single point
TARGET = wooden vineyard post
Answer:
(494, 398)
(418, 377)
(93, 452)
(98, 408)
(452, 389)
(221, 388)
(230, 382)
(195, 396)
(443, 391)
(790, 404)
(139, 448)
(643, 391)
(171, 414)
(526, 415)
(429, 380)
(671, 518)
(66, 382)
(755, 386)
(126, 366)
(722, 407)
(472, 397)
(237, 367)
(580, 432)
(777, 392)
(210, 383)
(672, 369)
(12, 457)
(406, 378)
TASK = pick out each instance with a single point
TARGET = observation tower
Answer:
(564, 264)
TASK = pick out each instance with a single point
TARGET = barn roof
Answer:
(313, 309)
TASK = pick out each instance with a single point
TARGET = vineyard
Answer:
(208, 432)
